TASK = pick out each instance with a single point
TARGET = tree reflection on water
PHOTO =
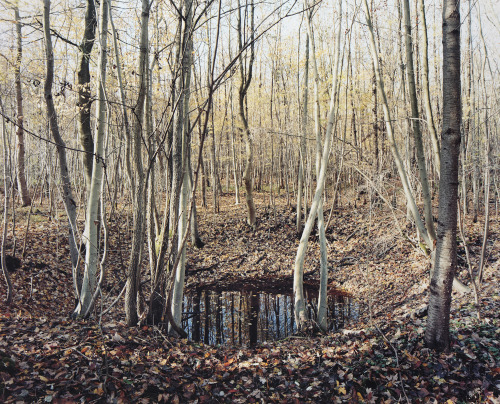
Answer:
(243, 317)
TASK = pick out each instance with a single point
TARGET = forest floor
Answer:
(378, 357)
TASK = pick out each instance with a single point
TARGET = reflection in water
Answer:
(245, 318)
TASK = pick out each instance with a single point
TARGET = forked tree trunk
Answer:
(438, 321)
(316, 210)
(487, 156)
(21, 176)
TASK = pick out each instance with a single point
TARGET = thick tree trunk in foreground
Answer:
(438, 322)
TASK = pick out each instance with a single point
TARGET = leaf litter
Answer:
(47, 357)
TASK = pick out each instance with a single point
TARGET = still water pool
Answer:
(243, 317)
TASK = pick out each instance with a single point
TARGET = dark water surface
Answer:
(242, 317)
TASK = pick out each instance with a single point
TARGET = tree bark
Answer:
(84, 94)
(139, 190)
(182, 135)
(246, 72)
(302, 150)
(316, 210)
(425, 86)
(92, 214)
(6, 192)
(21, 175)
(67, 193)
(417, 134)
(438, 321)
(388, 120)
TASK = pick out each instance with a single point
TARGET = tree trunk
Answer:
(417, 135)
(92, 215)
(425, 85)
(316, 210)
(69, 202)
(302, 150)
(84, 95)
(182, 133)
(246, 72)
(6, 192)
(388, 120)
(139, 191)
(438, 327)
(21, 176)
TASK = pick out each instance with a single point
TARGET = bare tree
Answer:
(6, 192)
(438, 322)
(84, 95)
(21, 175)
(67, 193)
(92, 219)
(246, 72)
(139, 188)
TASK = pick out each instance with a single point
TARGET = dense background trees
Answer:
(237, 74)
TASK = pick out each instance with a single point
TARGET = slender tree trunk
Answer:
(182, 133)
(323, 277)
(69, 202)
(21, 176)
(438, 322)
(417, 134)
(123, 99)
(246, 71)
(6, 192)
(92, 216)
(466, 138)
(139, 191)
(316, 210)
(302, 150)
(425, 87)
(487, 155)
(388, 120)
(84, 94)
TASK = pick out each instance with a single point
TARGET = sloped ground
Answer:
(47, 357)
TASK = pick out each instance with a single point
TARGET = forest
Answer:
(240, 201)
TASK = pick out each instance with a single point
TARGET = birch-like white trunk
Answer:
(183, 117)
(323, 278)
(316, 209)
